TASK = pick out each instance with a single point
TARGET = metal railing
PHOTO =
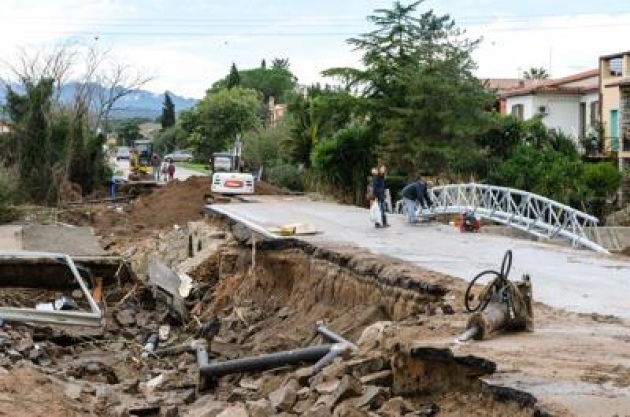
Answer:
(531, 213)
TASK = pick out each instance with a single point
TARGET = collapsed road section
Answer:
(214, 319)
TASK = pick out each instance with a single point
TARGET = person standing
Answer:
(413, 194)
(171, 170)
(155, 166)
(378, 188)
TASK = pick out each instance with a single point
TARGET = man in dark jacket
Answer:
(414, 194)
(378, 189)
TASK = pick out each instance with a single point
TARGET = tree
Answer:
(128, 132)
(263, 64)
(63, 130)
(345, 159)
(217, 119)
(168, 112)
(418, 88)
(317, 115)
(234, 78)
(270, 82)
(536, 73)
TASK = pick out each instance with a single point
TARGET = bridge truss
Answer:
(519, 209)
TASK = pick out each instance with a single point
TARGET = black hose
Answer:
(499, 282)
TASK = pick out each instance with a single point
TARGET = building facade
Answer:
(615, 109)
(569, 105)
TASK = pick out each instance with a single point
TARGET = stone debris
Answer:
(112, 373)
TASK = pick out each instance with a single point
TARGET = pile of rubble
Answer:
(200, 298)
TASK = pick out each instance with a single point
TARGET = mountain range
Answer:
(140, 103)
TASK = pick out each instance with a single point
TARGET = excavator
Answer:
(227, 172)
(140, 162)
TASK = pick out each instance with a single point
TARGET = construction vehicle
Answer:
(140, 162)
(227, 176)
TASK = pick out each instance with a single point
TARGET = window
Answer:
(594, 112)
(615, 65)
(518, 111)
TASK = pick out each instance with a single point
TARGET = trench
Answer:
(276, 292)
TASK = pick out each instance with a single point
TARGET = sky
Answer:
(187, 45)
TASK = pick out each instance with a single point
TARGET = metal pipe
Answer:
(336, 350)
(262, 362)
(334, 337)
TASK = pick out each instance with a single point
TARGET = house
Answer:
(275, 112)
(569, 105)
(500, 86)
(614, 72)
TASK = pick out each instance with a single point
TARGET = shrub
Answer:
(286, 176)
(8, 195)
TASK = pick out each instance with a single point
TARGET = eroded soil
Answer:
(271, 300)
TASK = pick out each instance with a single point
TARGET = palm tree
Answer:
(536, 74)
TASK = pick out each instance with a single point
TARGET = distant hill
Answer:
(141, 103)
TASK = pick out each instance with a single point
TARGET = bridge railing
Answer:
(519, 209)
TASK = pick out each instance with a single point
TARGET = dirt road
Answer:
(181, 173)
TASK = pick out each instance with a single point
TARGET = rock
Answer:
(250, 384)
(318, 410)
(13, 355)
(373, 397)
(428, 410)
(206, 407)
(36, 353)
(239, 394)
(260, 408)
(284, 397)
(327, 400)
(284, 312)
(365, 366)
(327, 387)
(395, 407)
(382, 378)
(304, 405)
(346, 409)
(120, 411)
(169, 411)
(106, 395)
(126, 318)
(73, 391)
(448, 309)
(238, 410)
(374, 335)
(349, 386)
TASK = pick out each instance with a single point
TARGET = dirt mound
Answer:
(28, 393)
(176, 203)
(264, 188)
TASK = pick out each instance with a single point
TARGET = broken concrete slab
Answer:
(75, 241)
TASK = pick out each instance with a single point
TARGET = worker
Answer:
(171, 169)
(378, 188)
(414, 194)
(155, 166)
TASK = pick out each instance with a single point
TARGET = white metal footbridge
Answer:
(519, 209)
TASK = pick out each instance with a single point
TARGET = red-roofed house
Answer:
(569, 104)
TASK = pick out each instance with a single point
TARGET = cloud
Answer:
(563, 44)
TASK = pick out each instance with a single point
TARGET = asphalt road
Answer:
(180, 173)
(573, 279)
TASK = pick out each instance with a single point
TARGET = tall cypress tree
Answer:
(234, 79)
(168, 112)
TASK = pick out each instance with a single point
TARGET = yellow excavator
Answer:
(140, 162)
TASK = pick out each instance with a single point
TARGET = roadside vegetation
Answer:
(415, 105)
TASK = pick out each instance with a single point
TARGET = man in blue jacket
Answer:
(414, 194)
